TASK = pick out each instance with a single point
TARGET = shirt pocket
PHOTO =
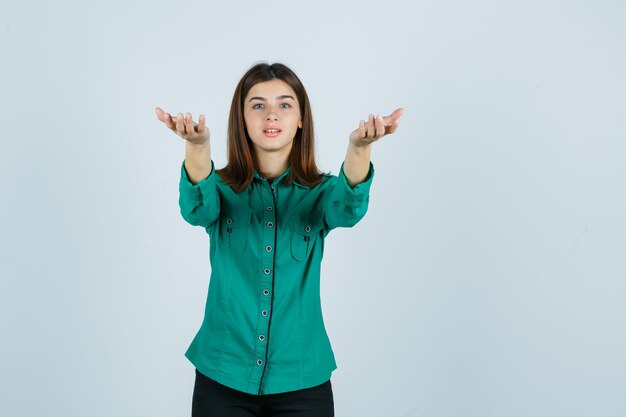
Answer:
(234, 228)
(304, 232)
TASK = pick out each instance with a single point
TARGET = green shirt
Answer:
(263, 331)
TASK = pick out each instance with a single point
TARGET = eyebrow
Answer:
(277, 98)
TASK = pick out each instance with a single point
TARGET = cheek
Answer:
(248, 121)
(295, 121)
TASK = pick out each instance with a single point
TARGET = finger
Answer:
(171, 123)
(389, 120)
(164, 117)
(391, 124)
(160, 114)
(201, 123)
(362, 130)
(392, 128)
(380, 126)
(189, 124)
(180, 124)
(371, 129)
(397, 113)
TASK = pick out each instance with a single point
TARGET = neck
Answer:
(272, 164)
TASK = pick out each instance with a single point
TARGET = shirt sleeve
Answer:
(199, 203)
(345, 205)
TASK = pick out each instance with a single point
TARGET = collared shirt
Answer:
(263, 331)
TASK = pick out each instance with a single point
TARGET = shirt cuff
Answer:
(360, 190)
(199, 192)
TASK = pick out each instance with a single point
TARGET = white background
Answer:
(487, 278)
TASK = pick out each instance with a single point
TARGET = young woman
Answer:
(262, 349)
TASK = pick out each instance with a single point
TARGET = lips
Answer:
(272, 132)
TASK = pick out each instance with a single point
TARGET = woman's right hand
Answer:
(195, 133)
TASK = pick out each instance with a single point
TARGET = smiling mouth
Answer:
(272, 133)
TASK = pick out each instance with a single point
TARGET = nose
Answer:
(271, 115)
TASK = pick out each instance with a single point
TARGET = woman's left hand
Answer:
(375, 128)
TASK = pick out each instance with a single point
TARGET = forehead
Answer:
(271, 89)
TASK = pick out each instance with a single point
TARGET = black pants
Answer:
(212, 399)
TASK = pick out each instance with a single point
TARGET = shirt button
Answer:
(259, 362)
(264, 313)
(307, 229)
(229, 220)
(269, 209)
(265, 292)
(261, 337)
(273, 189)
(268, 248)
(267, 271)
(270, 224)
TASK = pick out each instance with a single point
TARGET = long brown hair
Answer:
(239, 171)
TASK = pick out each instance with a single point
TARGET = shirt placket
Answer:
(266, 294)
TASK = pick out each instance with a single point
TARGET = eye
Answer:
(286, 104)
(254, 106)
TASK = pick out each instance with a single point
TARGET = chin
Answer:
(269, 146)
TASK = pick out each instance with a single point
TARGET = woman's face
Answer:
(272, 105)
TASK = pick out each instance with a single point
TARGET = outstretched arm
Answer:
(198, 198)
(198, 149)
(356, 165)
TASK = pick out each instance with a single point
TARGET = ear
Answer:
(300, 123)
